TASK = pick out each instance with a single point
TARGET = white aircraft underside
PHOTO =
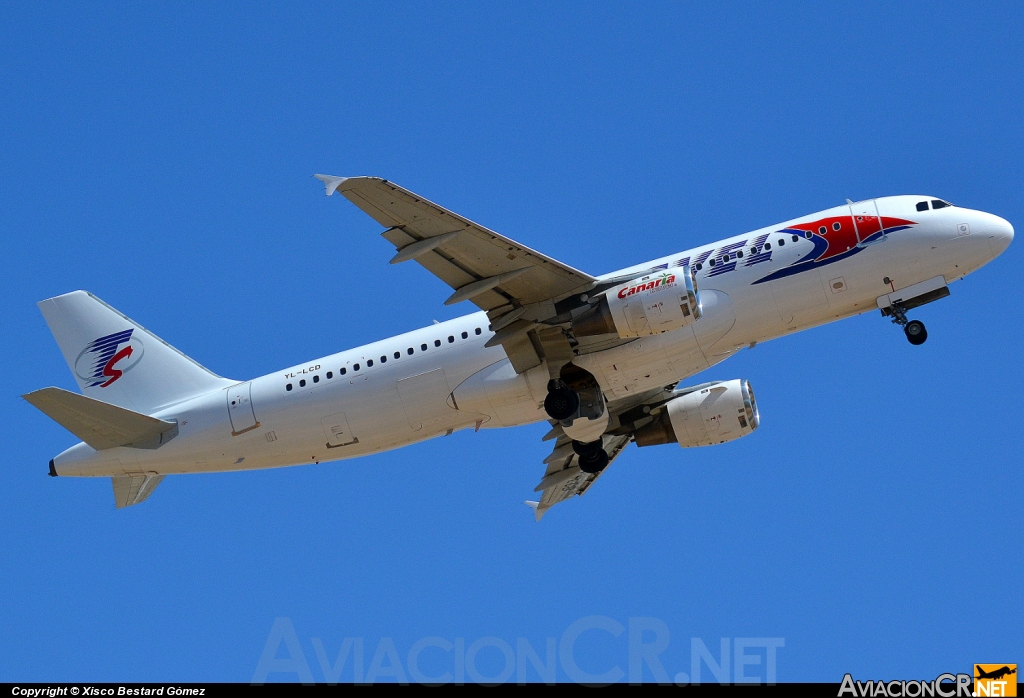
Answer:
(597, 357)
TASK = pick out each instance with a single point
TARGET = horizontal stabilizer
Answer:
(132, 489)
(100, 424)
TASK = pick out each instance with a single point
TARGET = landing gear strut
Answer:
(592, 456)
(914, 329)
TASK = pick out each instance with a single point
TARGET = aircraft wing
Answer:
(516, 285)
(564, 479)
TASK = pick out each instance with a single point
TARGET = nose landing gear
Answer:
(914, 329)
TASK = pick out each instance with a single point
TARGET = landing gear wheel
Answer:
(595, 462)
(916, 333)
(586, 449)
(561, 403)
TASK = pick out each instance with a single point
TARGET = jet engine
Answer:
(704, 416)
(642, 307)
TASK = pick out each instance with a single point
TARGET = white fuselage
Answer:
(442, 378)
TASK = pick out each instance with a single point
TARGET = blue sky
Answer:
(161, 157)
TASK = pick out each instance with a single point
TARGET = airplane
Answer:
(996, 674)
(601, 358)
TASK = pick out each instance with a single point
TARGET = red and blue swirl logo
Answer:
(104, 360)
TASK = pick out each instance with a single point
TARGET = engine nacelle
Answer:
(711, 415)
(646, 306)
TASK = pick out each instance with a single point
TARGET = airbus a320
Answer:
(601, 358)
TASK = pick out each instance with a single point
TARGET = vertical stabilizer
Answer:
(118, 361)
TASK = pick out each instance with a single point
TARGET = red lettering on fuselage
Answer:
(646, 286)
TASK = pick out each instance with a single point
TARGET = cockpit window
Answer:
(922, 206)
(939, 203)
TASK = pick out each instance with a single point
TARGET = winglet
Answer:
(538, 513)
(331, 183)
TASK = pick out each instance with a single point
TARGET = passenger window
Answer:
(409, 351)
(465, 335)
(922, 206)
(477, 330)
(330, 375)
(767, 245)
(739, 253)
(437, 342)
(288, 387)
(302, 383)
(796, 238)
(753, 250)
(822, 230)
(781, 242)
(316, 379)
(451, 339)
(837, 226)
(808, 235)
(936, 203)
(342, 371)
(384, 359)
(697, 267)
(711, 261)
(369, 362)
(423, 347)
(355, 367)
(398, 354)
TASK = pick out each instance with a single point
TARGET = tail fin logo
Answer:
(104, 360)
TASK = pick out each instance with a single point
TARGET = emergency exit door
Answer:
(867, 222)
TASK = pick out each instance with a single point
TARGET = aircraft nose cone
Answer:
(1000, 235)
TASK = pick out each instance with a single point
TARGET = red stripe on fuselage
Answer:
(846, 237)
